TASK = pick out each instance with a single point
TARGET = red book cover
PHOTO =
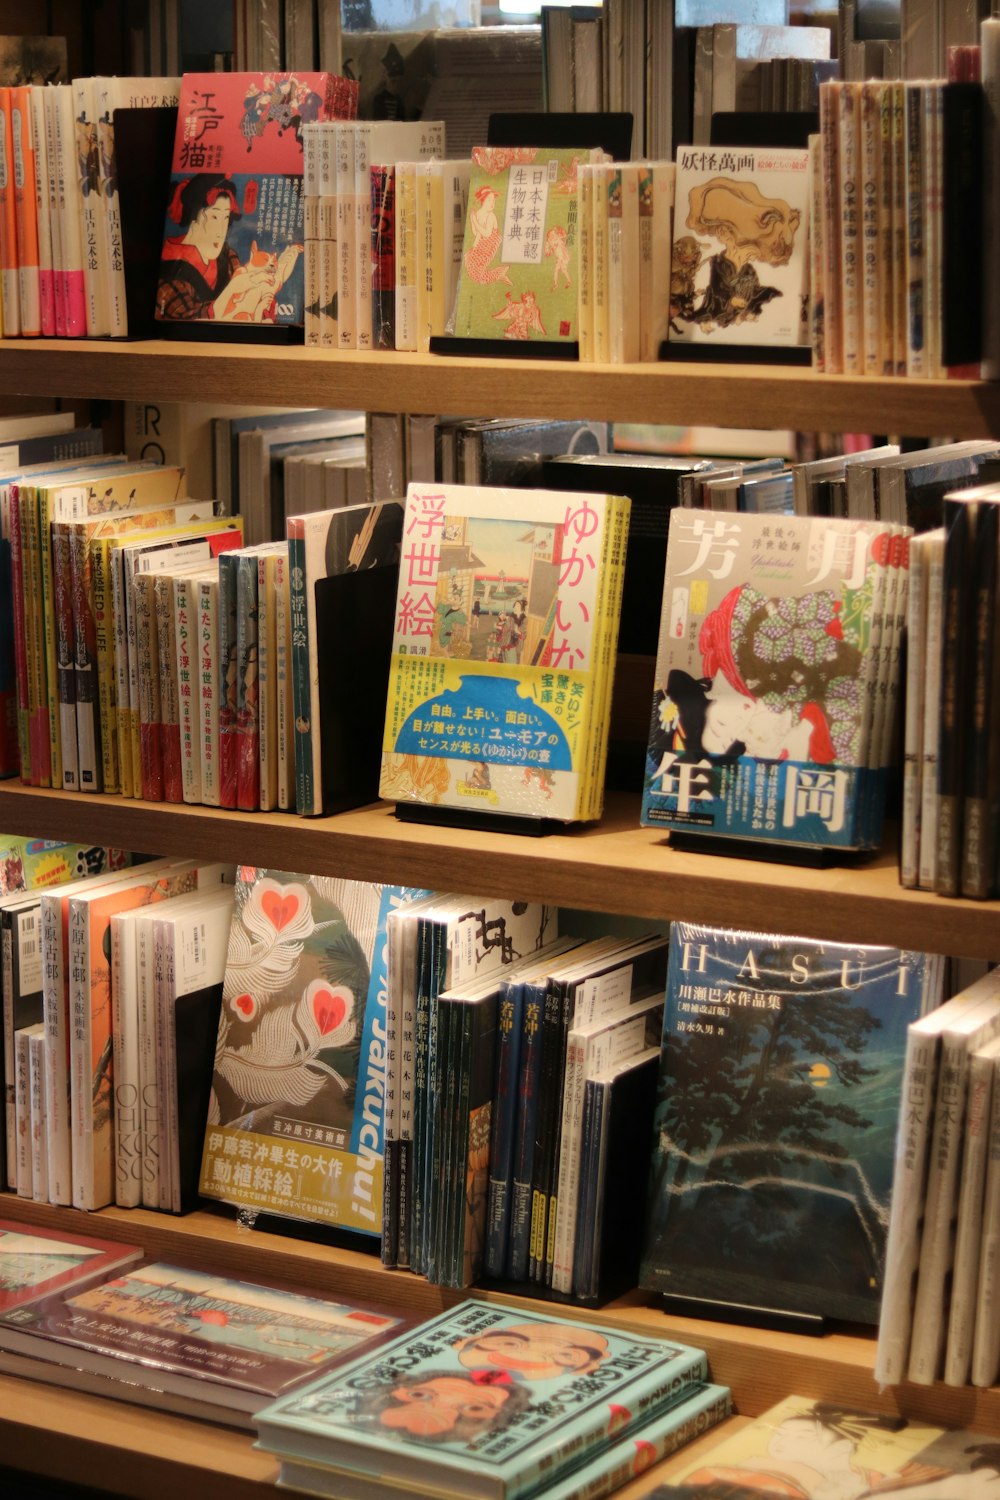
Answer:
(36, 1262)
(234, 236)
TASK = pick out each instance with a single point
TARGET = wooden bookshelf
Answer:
(679, 393)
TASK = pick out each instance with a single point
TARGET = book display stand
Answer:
(773, 1318)
(781, 854)
(456, 817)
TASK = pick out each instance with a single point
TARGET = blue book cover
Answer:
(482, 1401)
(780, 1078)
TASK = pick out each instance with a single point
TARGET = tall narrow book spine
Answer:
(55, 1000)
(960, 520)
(27, 213)
(8, 223)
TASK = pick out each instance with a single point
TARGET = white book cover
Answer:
(22, 1094)
(90, 206)
(969, 1225)
(39, 1154)
(986, 1336)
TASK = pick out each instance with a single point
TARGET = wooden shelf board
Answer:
(615, 866)
(680, 394)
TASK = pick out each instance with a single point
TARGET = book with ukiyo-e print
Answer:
(481, 1401)
(234, 234)
(37, 1265)
(300, 1062)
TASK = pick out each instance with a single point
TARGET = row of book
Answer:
(347, 1392)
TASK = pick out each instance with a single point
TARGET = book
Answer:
(229, 1345)
(743, 285)
(34, 1265)
(969, 1218)
(803, 1446)
(300, 1060)
(501, 599)
(237, 257)
(806, 1173)
(512, 1438)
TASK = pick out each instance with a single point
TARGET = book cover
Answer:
(234, 235)
(498, 634)
(520, 257)
(39, 1265)
(765, 671)
(482, 1401)
(740, 252)
(777, 1166)
(300, 1061)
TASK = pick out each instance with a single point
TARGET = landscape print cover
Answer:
(739, 270)
(764, 660)
(34, 1265)
(483, 1400)
(780, 1078)
(295, 1122)
(816, 1449)
(234, 237)
(520, 257)
(493, 667)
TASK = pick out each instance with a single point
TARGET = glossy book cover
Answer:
(781, 1073)
(256, 1338)
(766, 677)
(483, 1401)
(494, 672)
(234, 236)
(295, 1124)
(36, 1265)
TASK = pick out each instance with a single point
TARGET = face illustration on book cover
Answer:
(738, 275)
(780, 1079)
(816, 1450)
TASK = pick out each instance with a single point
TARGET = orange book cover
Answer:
(26, 212)
(8, 223)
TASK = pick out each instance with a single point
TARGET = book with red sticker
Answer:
(234, 235)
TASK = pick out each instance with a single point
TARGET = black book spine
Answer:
(959, 523)
(962, 210)
(982, 760)
(545, 1129)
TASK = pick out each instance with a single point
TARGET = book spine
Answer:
(886, 251)
(916, 351)
(7, 981)
(544, 1133)
(247, 685)
(326, 231)
(148, 682)
(160, 1004)
(900, 233)
(562, 1265)
(285, 719)
(586, 1263)
(986, 1335)
(208, 697)
(963, 228)
(528, 1101)
(503, 1130)
(555, 1145)
(382, 231)
(55, 1002)
(437, 245)
(982, 774)
(61, 627)
(933, 204)
(50, 103)
(168, 725)
(20, 640)
(301, 670)
(29, 306)
(124, 1022)
(833, 337)
(391, 1109)
(22, 1105)
(310, 215)
(584, 281)
(850, 227)
(916, 668)
(88, 203)
(931, 738)
(420, 1093)
(405, 256)
(362, 266)
(8, 222)
(39, 1153)
(82, 1095)
(871, 262)
(228, 677)
(969, 1222)
(347, 328)
(87, 726)
(187, 665)
(72, 239)
(49, 637)
(114, 253)
(960, 519)
(130, 787)
(41, 744)
(267, 686)
(104, 643)
(148, 1064)
(601, 266)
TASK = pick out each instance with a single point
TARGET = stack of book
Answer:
(951, 790)
(781, 1081)
(776, 679)
(483, 1401)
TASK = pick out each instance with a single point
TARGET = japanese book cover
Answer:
(812, 1448)
(482, 1401)
(766, 674)
(37, 1265)
(300, 1061)
(771, 1180)
(502, 650)
(233, 1344)
(740, 267)
(521, 253)
(234, 235)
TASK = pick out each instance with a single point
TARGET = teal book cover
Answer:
(482, 1401)
(780, 1080)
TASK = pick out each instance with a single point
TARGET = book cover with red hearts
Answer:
(295, 1121)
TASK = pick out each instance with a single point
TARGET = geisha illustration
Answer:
(444, 1406)
(824, 1452)
(485, 240)
(201, 275)
(752, 229)
(523, 317)
(556, 247)
(779, 682)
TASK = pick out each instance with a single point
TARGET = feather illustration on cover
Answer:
(739, 270)
(496, 677)
(234, 235)
(774, 673)
(299, 1080)
(521, 253)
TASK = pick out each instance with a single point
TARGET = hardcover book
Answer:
(39, 1265)
(740, 266)
(780, 1080)
(234, 230)
(233, 1345)
(300, 1060)
(481, 1401)
(505, 629)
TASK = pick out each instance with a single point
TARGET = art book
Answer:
(233, 1345)
(232, 249)
(767, 678)
(300, 1064)
(481, 1401)
(781, 1074)
(520, 257)
(740, 264)
(38, 1265)
(505, 630)
(817, 1448)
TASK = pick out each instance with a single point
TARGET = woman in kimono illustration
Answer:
(485, 240)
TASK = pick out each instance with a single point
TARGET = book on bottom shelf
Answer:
(39, 1264)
